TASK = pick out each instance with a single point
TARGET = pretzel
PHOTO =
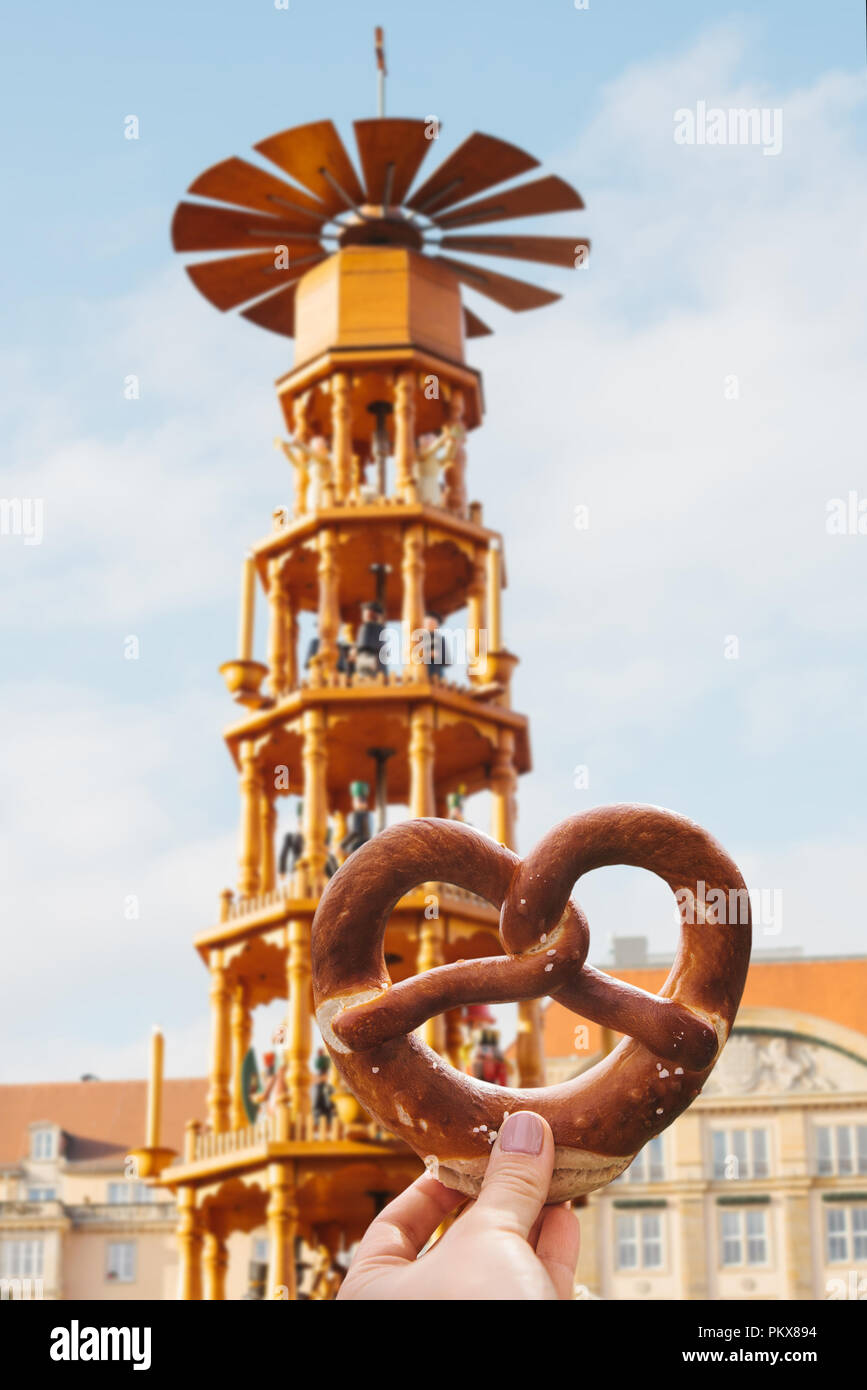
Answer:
(601, 1118)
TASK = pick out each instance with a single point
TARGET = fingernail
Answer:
(523, 1133)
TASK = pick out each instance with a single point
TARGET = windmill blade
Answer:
(551, 250)
(236, 181)
(513, 294)
(391, 152)
(551, 194)
(198, 227)
(482, 160)
(474, 327)
(237, 279)
(277, 313)
(316, 157)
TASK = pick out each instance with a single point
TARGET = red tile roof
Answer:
(102, 1119)
(835, 989)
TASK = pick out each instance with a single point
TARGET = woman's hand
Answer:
(506, 1245)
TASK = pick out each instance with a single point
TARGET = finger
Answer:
(403, 1227)
(518, 1176)
(558, 1246)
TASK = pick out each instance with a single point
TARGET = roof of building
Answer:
(102, 1120)
(833, 988)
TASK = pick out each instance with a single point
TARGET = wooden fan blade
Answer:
(552, 250)
(236, 181)
(513, 294)
(474, 327)
(391, 152)
(482, 160)
(240, 278)
(551, 194)
(198, 227)
(277, 313)
(307, 152)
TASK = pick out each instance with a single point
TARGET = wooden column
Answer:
(267, 828)
(219, 1099)
(476, 609)
(455, 1038)
(404, 437)
(494, 586)
(341, 435)
(412, 574)
(329, 603)
(251, 792)
(241, 1025)
(530, 1044)
(216, 1258)
(282, 1230)
(299, 1041)
(422, 801)
(314, 758)
(291, 647)
(278, 632)
(503, 783)
(189, 1235)
(430, 955)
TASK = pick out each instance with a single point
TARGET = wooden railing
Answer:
(302, 1130)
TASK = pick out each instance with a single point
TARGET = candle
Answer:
(155, 1090)
(248, 608)
(494, 583)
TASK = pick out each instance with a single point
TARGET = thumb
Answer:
(518, 1176)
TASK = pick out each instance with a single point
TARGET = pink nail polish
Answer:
(522, 1133)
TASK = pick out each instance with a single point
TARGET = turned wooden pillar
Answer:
(314, 759)
(455, 1038)
(250, 847)
(476, 622)
(412, 574)
(278, 632)
(329, 602)
(422, 801)
(282, 1230)
(215, 1258)
(494, 587)
(341, 435)
(189, 1236)
(241, 1026)
(404, 437)
(291, 647)
(503, 784)
(298, 992)
(430, 955)
(267, 827)
(219, 1099)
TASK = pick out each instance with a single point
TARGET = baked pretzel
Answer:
(601, 1118)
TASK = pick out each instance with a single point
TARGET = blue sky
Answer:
(707, 514)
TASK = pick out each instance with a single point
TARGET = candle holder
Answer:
(243, 679)
(150, 1162)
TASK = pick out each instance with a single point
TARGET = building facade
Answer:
(759, 1191)
(75, 1221)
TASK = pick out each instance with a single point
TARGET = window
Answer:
(740, 1153)
(42, 1143)
(261, 1250)
(41, 1194)
(638, 1240)
(845, 1233)
(841, 1149)
(648, 1165)
(120, 1261)
(127, 1191)
(744, 1237)
(21, 1259)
